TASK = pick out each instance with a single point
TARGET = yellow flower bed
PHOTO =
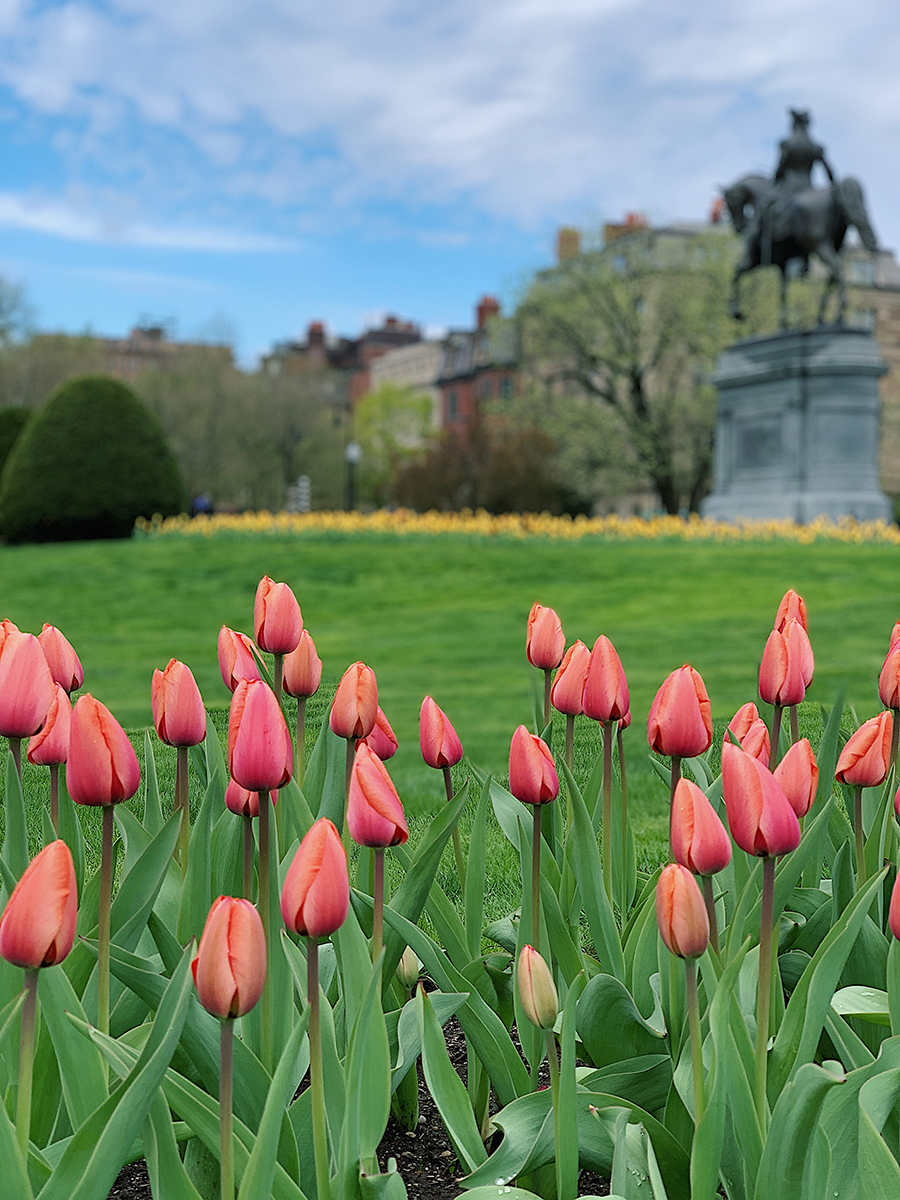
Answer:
(523, 525)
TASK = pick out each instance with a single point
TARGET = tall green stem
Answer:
(674, 777)
(693, 1006)
(621, 749)
(378, 903)
(26, 1060)
(265, 917)
(248, 858)
(607, 807)
(536, 879)
(182, 802)
(860, 837)
(226, 1107)
(795, 724)
(764, 991)
(106, 872)
(279, 676)
(348, 769)
(457, 846)
(710, 901)
(570, 741)
(316, 1076)
(777, 710)
(553, 1060)
(300, 757)
(54, 797)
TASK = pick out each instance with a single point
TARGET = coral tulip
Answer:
(102, 767)
(26, 685)
(230, 964)
(680, 721)
(242, 802)
(302, 669)
(760, 816)
(260, 753)
(37, 928)
(382, 739)
(316, 894)
(681, 913)
(791, 608)
(178, 712)
(750, 730)
(895, 634)
(437, 738)
(786, 667)
(355, 704)
(374, 812)
(277, 623)
(605, 696)
(545, 642)
(236, 658)
(537, 990)
(889, 679)
(798, 774)
(866, 758)
(568, 684)
(65, 665)
(700, 841)
(532, 774)
(50, 746)
(894, 910)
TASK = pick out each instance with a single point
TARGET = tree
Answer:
(392, 425)
(618, 346)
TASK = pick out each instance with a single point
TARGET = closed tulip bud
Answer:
(374, 812)
(316, 894)
(798, 774)
(545, 642)
(65, 665)
(700, 841)
(37, 928)
(786, 667)
(408, 969)
(302, 669)
(26, 685)
(605, 696)
(681, 913)
(680, 721)
(537, 990)
(791, 608)
(277, 623)
(260, 752)
(102, 767)
(750, 730)
(889, 679)
(50, 746)
(178, 712)
(236, 658)
(437, 737)
(382, 739)
(895, 634)
(866, 758)
(242, 802)
(894, 910)
(532, 774)
(567, 692)
(355, 703)
(230, 965)
(760, 816)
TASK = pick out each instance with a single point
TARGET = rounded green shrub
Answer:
(89, 463)
(12, 422)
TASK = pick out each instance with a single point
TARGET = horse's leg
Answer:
(784, 320)
(735, 304)
(832, 260)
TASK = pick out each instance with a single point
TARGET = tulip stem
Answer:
(795, 724)
(553, 1060)
(106, 872)
(673, 784)
(547, 682)
(182, 802)
(15, 745)
(300, 759)
(693, 1006)
(624, 794)
(279, 676)
(348, 770)
(710, 901)
(457, 846)
(860, 837)
(54, 797)
(536, 879)
(764, 992)
(26, 1060)
(378, 902)
(607, 807)
(264, 913)
(570, 741)
(777, 710)
(248, 858)
(226, 1106)
(316, 1076)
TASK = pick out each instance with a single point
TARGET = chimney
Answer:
(315, 334)
(717, 212)
(488, 306)
(568, 244)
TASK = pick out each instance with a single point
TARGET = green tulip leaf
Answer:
(152, 819)
(610, 1026)
(476, 872)
(16, 1184)
(791, 1142)
(409, 1038)
(70, 829)
(164, 1166)
(447, 1089)
(80, 1066)
(877, 1165)
(196, 891)
(368, 1087)
(324, 781)
(868, 1004)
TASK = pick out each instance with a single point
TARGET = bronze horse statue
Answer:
(812, 221)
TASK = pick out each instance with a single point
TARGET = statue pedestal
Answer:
(797, 428)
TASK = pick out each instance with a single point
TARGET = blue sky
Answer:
(240, 168)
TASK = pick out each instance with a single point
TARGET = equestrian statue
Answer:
(785, 219)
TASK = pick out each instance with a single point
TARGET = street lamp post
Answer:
(352, 455)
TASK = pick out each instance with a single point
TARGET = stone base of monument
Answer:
(797, 428)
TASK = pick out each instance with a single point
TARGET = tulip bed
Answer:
(238, 978)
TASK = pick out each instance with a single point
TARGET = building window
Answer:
(452, 406)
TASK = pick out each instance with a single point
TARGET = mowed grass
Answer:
(445, 616)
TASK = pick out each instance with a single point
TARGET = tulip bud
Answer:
(680, 721)
(798, 774)
(866, 758)
(532, 774)
(750, 730)
(787, 666)
(65, 665)
(382, 740)
(26, 685)
(374, 812)
(355, 703)
(236, 658)
(545, 642)
(230, 965)
(568, 685)
(102, 767)
(50, 745)
(605, 696)
(244, 803)
(316, 894)
(680, 912)
(894, 910)
(302, 669)
(37, 928)
(537, 990)
(700, 841)
(178, 712)
(260, 752)
(437, 738)
(889, 679)
(791, 608)
(895, 634)
(277, 623)
(760, 816)
(408, 969)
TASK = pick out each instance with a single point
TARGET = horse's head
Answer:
(742, 197)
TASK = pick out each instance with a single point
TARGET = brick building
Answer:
(477, 365)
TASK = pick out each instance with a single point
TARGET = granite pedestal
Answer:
(797, 428)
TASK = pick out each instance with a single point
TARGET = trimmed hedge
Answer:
(89, 463)
(12, 422)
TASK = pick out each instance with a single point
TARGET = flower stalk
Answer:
(182, 802)
(226, 1107)
(106, 872)
(26, 1061)
(457, 845)
(693, 1007)
(764, 992)
(316, 1076)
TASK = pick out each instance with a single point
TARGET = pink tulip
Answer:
(242, 802)
(277, 623)
(680, 721)
(545, 642)
(178, 712)
(866, 758)
(50, 746)
(374, 812)
(65, 665)
(605, 696)
(355, 703)
(437, 738)
(895, 633)
(532, 774)
(316, 894)
(791, 608)
(236, 659)
(26, 685)
(382, 739)
(700, 841)
(894, 910)
(567, 692)
(680, 912)
(102, 767)
(786, 667)
(260, 753)
(37, 928)
(230, 965)
(798, 774)
(750, 730)
(302, 669)
(760, 816)
(889, 679)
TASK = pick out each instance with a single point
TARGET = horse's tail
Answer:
(849, 195)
